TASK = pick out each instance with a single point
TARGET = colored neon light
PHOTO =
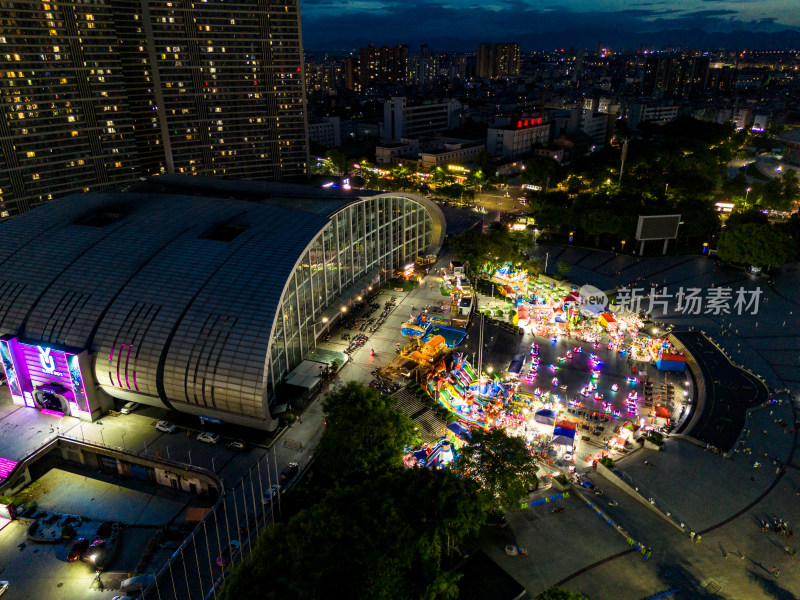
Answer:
(48, 362)
(127, 359)
(52, 413)
(10, 370)
(77, 380)
(6, 467)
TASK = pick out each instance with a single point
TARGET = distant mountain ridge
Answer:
(615, 39)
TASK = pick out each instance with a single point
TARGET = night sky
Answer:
(456, 25)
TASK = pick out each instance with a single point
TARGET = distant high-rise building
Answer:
(498, 60)
(484, 64)
(351, 81)
(506, 59)
(384, 64)
(680, 76)
(95, 94)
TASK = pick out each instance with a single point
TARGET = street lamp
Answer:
(747, 193)
(123, 440)
(102, 437)
(623, 245)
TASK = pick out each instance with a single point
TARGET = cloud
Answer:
(414, 21)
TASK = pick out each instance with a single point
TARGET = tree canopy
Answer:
(383, 539)
(759, 244)
(364, 434)
(501, 465)
(496, 246)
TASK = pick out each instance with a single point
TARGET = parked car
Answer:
(95, 552)
(271, 494)
(166, 426)
(228, 553)
(123, 598)
(208, 437)
(4, 585)
(129, 408)
(248, 522)
(289, 472)
(136, 583)
(237, 446)
(79, 546)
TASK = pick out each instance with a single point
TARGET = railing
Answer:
(33, 456)
(244, 553)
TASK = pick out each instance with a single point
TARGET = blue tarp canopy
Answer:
(460, 430)
(563, 431)
(516, 364)
(545, 416)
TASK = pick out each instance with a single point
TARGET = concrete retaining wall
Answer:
(611, 476)
(179, 476)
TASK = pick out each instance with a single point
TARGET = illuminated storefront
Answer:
(49, 379)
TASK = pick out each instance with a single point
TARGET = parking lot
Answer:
(41, 571)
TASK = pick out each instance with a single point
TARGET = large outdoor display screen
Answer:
(658, 227)
(43, 377)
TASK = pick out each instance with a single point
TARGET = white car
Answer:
(208, 437)
(166, 426)
(128, 408)
(3, 587)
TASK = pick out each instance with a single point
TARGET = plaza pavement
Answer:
(724, 499)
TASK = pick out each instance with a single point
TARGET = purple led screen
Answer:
(45, 365)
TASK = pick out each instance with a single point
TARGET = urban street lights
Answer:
(747, 193)
(102, 437)
(123, 440)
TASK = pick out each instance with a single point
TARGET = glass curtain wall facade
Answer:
(369, 238)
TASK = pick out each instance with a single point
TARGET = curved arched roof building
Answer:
(187, 292)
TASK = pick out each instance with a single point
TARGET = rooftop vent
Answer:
(223, 232)
(101, 217)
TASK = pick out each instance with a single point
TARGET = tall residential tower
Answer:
(95, 93)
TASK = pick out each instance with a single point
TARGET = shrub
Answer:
(562, 479)
(607, 462)
(68, 531)
(498, 312)
(656, 438)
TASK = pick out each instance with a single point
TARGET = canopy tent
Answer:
(517, 363)
(671, 362)
(662, 412)
(545, 417)
(564, 440)
(592, 309)
(564, 433)
(460, 430)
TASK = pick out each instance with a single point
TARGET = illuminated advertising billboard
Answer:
(44, 377)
